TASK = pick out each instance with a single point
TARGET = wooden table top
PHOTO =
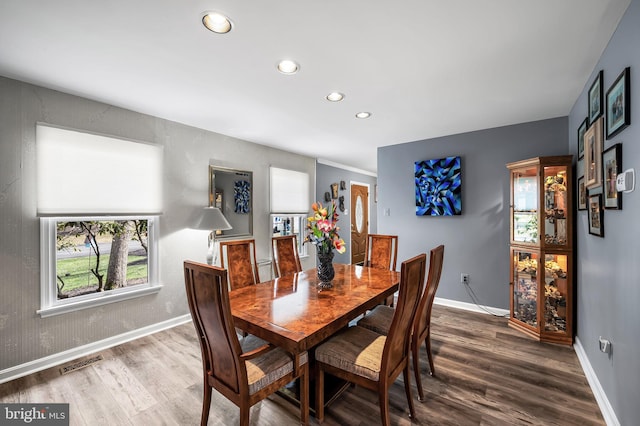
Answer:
(293, 313)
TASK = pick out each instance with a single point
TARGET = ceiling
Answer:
(423, 68)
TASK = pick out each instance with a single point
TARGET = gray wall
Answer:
(24, 336)
(325, 176)
(608, 272)
(477, 241)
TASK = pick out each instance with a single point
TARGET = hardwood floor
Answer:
(487, 374)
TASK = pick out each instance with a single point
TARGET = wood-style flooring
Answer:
(486, 374)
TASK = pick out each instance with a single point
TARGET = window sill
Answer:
(98, 300)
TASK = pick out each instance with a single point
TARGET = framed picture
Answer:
(612, 166)
(582, 194)
(595, 98)
(593, 155)
(596, 224)
(438, 187)
(619, 104)
(581, 131)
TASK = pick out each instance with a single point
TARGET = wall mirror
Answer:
(232, 192)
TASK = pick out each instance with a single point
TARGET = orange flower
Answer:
(338, 243)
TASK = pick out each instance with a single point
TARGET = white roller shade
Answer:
(87, 174)
(289, 191)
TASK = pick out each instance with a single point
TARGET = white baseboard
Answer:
(601, 398)
(471, 307)
(71, 354)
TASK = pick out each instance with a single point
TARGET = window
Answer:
(92, 261)
(99, 199)
(293, 224)
(289, 201)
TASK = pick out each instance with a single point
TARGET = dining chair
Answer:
(379, 319)
(239, 257)
(247, 372)
(381, 251)
(371, 360)
(284, 252)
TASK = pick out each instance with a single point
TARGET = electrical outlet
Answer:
(464, 279)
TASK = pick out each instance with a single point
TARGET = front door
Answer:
(359, 221)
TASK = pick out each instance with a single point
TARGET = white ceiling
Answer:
(423, 68)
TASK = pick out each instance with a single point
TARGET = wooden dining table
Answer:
(294, 313)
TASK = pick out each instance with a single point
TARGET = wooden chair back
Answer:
(239, 258)
(423, 314)
(284, 252)
(396, 349)
(208, 298)
(381, 251)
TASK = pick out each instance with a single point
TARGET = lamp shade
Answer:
(212, 219)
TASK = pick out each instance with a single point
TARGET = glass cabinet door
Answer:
(525, 287)
(555, 293)
(525, 205)
(555, 205)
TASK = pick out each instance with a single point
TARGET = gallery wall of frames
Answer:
(598, 168)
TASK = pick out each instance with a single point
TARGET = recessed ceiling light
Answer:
(288, 66)
(217, 22)
(363, 114)
(335, 97)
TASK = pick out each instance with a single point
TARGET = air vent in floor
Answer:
(76, 365)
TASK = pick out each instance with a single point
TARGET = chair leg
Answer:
(415, 351)
(383, 395)
(244, 414)
(206, 404)
(407, 390)
(304, 395)
(428, 345)
(319, 394)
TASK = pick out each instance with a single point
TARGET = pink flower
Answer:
(325, 226)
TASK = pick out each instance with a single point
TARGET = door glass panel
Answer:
(555, 205)
(525, 206)
(525, 294)
(359, 214)
(555, 293)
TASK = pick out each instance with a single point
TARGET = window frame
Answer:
(303, 252)
(50, 304)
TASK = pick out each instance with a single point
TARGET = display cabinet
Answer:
(541, 247)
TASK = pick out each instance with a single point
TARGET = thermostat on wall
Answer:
(626, 181)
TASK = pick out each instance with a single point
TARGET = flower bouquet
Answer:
(323, 233)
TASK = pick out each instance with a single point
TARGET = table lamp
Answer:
(212, 219)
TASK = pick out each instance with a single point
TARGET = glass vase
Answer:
(325, 269)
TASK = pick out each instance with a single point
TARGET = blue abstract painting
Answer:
(438, 187)
(242, 196)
